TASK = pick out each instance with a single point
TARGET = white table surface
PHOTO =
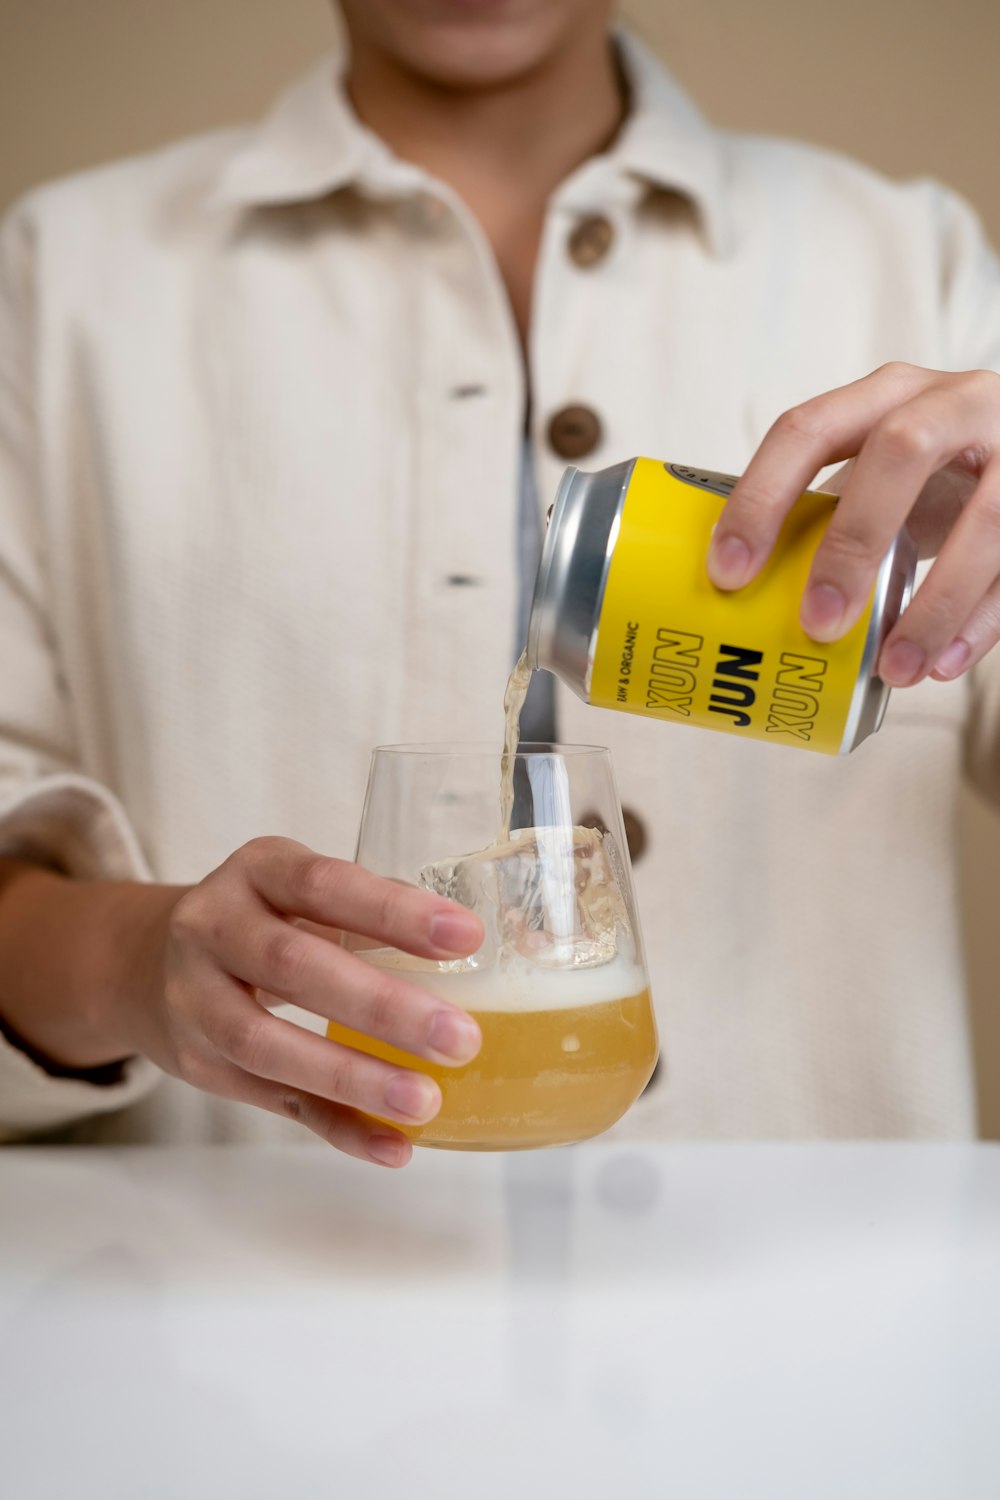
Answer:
(612, 1322)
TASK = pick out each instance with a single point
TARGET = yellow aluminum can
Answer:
(625, 614)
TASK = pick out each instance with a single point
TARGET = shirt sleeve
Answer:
(970, 282)
(50, 812)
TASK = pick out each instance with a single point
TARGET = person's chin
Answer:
(484, 10)
(471, 74)
(475, 43)
(490, 59)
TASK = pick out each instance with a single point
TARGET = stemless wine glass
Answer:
(559, 987)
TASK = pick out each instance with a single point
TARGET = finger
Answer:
(897, 461)
(938, 506)
(965, 570)
(827, 429)
(295, 880)
(339, 1127)
(979, 634)
(271, 955)
(269, 1047)
(329, 934)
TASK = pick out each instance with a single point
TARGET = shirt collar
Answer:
(668, 143)
(312, 144)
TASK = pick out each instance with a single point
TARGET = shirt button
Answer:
(635, 834)
(591, 240)
(635, 830)
(574, 431)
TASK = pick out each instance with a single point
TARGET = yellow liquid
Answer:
(544, 1077)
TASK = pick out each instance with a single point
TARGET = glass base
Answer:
(501, 1145)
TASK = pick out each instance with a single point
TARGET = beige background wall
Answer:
(908, 85)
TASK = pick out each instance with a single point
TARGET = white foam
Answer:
(518, 985)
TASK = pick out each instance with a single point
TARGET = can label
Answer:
(670, 645)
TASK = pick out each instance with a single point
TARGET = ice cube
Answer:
(550, 895)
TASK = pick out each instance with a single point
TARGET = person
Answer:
(279, 411)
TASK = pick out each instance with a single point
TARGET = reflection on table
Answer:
(600, 1321)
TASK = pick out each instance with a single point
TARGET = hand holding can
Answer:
(626, 615)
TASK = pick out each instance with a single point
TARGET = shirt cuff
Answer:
(74, 825)
(32, 1101)
(78, 827)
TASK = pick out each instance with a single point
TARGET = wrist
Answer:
(127, 966)
(79, 962)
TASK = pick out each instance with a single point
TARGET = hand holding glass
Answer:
(559, 987)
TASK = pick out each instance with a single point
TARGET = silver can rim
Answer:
(870, 698)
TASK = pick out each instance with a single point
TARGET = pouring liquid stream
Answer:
(513, 702)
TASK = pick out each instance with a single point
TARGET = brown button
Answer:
(635, 834)
(635, 830)
(574, 432)
(591, 241)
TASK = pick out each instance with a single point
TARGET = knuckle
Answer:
(316, 881)
(755, 505)
(906, 439)
(245, 1040)
(198, 920)
(895, 369)
(853, 549)
(984, 383)
(346, 1080)
(243, 861)
(188, 1063)
(196, 1069)
(292, 1104)
(190, 918)
(254, 851)
(383, 1010)
(284, 959)
(389, 908)
(803, 423)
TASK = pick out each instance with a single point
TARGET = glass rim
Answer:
(531, 749)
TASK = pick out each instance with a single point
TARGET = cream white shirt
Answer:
(261, 398)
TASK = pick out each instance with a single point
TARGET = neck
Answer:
(532, 131)
(504, 149)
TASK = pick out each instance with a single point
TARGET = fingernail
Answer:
(456, 931)
(728, 561)
(823, 610)
(953, 659)
(902, 663)
(413, 1096)
(389, 1150)
(453, 1036)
